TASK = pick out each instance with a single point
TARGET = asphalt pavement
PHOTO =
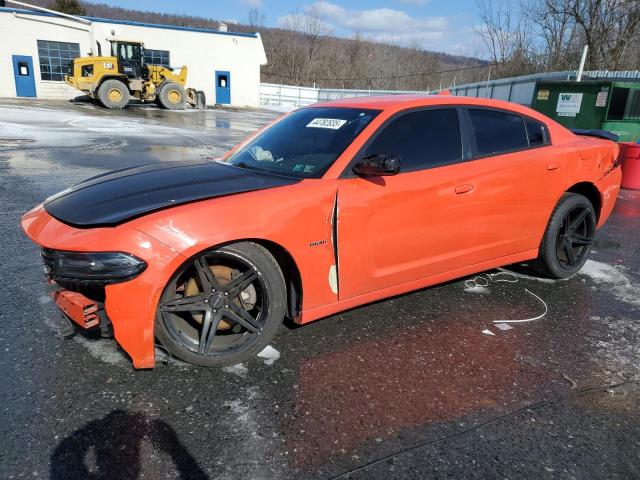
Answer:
(424, 385)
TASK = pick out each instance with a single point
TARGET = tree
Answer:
(72, 7)
(609, 27)
(256, 19)
(550, 34)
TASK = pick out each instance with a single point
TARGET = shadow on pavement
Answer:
(113, 445)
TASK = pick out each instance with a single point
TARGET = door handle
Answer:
(552, 166)
(464, 188)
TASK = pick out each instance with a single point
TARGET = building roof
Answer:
(135, 24)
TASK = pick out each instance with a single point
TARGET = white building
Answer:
(36, 49)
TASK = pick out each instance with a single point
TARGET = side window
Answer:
(421, 139)
(536, 132)
(498, 132)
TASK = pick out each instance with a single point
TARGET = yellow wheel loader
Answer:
(115, 79)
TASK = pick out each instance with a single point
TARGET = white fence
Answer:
(515, 89)
(274, 95)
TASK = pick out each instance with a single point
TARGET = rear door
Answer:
(516, 176)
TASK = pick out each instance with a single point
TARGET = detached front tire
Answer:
(568, 238)
(113, 94)
(223, 306)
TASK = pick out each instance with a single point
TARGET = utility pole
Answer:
(582, 60)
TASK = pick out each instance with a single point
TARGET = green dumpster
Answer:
(605, 105)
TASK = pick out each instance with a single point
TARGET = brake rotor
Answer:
(246, 299)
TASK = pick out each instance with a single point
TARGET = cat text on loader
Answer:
(115, 79)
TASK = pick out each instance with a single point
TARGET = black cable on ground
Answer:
(532, 406)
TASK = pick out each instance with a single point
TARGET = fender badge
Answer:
(317, 243)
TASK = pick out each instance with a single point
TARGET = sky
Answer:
(440, 25)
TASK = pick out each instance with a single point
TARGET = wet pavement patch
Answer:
(409, 387)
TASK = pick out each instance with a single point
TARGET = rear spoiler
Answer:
(597, 133)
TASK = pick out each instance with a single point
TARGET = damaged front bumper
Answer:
(78, 308)
(129, 305)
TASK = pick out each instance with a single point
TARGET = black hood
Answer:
(121, 195)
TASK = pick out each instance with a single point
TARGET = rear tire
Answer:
(568, 238)
(172, 96)
(206, 319)
(113, 94)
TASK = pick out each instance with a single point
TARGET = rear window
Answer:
(498, 132)
(536, 132)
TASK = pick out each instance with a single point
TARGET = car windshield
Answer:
(305, 143)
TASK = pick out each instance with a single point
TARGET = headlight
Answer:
(91, 267)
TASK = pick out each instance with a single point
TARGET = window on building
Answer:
(56, 59)
(23, 69)
(624, 105)
(156, 57)
(632, 112)
(498, 132)
(422, 139)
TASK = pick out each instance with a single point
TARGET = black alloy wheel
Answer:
(569, 236)
(575, 237)
(223, 306)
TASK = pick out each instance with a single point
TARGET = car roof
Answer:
(391, 104)
(402, 102)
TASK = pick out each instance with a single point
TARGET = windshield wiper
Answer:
(248, 167)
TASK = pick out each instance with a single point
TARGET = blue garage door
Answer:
(23, 73)
(223, 87)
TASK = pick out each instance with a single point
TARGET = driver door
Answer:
(396, 229)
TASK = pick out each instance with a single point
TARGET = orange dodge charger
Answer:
(330, 207)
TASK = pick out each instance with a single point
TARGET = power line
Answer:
(382, 77)
(533, 406)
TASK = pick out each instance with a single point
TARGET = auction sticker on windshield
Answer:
(332, 123)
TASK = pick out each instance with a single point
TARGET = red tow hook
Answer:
(78, 308)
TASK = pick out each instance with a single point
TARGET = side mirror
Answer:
(378, 164)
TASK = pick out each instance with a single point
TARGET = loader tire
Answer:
(113, 94)
(172, 96)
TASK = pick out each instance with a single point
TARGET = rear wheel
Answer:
(223, 306)
(172, 96)
(567, 241)
(113, 94)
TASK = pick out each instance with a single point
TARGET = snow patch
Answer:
(103, 349)
(280, 108)
(477, 289)
(44, 127)
(618, 351)
(613, 276)
(270, 354)
(237, 369)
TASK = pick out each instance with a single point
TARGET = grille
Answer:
(48, 258)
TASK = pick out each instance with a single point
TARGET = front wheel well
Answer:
(291, 274)
(592, 193)
(120, 78)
